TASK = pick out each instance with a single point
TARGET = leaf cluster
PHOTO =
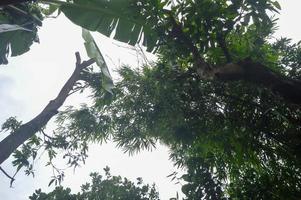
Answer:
(107, 187)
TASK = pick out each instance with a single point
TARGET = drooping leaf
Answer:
(94, 52)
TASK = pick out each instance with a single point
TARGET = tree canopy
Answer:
(222, 96)
(105, 187)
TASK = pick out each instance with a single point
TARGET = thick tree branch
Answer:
(247, 70)
(27, 130)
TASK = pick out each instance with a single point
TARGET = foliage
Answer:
(66, 138)
(237, 140)
(290, 55)
(26, 18)
(105, 187)
(11, 124)
(209, 20)
(108, 16)
(230, 137)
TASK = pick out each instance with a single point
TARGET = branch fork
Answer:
(9, 144)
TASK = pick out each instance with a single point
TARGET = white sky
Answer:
(30, 81)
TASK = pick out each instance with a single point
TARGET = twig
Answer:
(12, 179)
(49, 137)
(144, 57)
(77, 89)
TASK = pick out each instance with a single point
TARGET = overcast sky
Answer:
(30, 81)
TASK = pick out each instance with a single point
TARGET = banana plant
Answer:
(113, 18)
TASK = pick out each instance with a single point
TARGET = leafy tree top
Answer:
(107, 187)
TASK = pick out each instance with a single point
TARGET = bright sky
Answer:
(30, 81)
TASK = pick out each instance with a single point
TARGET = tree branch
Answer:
(247, 70)
(27, 130)
(221, 40)
(12, 179)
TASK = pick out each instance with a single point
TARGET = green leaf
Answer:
(52, 180)
(277, 5)
(94, 52)
(21, 42)
(107, 17)
(18, 29)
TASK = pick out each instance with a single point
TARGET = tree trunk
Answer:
(9, 144)
(247, 70)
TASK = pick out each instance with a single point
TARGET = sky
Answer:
(30, 81)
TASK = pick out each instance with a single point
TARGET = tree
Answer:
(107, 188)
(165, 24)
(19, 132)
(238, 144)
(221, 96)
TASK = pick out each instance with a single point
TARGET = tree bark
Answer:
(247, 70)
(9, 144)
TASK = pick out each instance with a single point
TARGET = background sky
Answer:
(30, 81)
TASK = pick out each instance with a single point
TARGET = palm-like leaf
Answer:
(111, 17)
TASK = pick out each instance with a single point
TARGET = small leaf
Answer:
(277, 5)
(19, 167)
(51, 182)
